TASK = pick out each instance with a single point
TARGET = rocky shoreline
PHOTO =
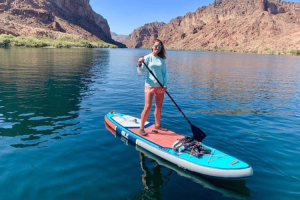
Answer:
(292, 52)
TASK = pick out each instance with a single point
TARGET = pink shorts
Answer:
(155, 90)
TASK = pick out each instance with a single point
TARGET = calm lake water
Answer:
(54, 144)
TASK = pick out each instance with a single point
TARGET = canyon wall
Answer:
(228, 24)
(53, 18)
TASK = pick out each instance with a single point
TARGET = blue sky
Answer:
(124, 16)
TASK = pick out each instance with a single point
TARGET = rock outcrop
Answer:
(53, 18)
(228, 24)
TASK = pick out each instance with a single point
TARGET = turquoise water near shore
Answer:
(54, 144)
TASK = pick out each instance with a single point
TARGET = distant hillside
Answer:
(53, 18)
(117, 37)
(253, 25)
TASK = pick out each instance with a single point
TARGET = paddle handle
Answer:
(167, 93)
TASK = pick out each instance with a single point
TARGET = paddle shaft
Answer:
(167, 93)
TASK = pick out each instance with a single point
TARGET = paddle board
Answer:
(215, 164)
(229, 188)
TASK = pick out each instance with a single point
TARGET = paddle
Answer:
(198, 134)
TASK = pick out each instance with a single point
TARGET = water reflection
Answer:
(229, 188)
(42, 89)
(153, 179)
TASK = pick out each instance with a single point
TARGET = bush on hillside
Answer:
(38, 41)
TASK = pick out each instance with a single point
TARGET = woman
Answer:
(157, 64)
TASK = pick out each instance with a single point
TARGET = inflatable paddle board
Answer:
(212, 163)
(229, 188)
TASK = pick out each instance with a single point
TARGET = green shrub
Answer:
(254, 51)
(6, 43)
(66, 38)
(5, 40)
(57, 45)
(295, 52)
(269, 51)
(89, 45)
(38, 41)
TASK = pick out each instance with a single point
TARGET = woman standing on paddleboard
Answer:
(157, 64)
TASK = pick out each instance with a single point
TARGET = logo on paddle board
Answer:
(124, 134)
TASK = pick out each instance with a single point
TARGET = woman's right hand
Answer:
(140, 61)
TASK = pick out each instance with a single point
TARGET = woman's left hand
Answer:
(165, 88)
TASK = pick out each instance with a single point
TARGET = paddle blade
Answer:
(198, 134)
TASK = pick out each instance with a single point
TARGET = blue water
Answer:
(54, 144)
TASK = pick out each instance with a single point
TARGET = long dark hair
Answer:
(162, 54)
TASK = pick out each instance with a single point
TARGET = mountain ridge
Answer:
(118, 37)
(53, 18)
(228, 24)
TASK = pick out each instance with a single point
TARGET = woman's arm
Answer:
(140, 66)
(164, 74)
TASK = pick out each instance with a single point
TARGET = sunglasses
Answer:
(157, 47)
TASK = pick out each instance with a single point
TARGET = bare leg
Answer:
(147, 108)
(159, 98)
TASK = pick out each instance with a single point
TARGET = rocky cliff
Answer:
(228, 24)
(53, 18)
